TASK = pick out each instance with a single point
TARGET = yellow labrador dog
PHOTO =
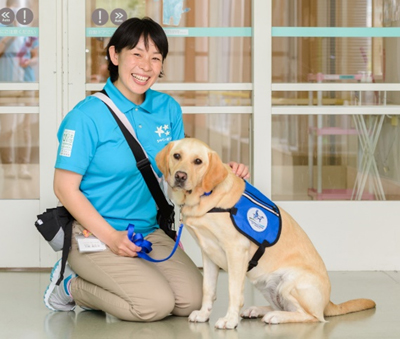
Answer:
(290, 274)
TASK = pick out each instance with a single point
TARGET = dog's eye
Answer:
(198, 161)
(177, 156)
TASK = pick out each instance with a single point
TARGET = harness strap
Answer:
(260, 251)
(220, 210)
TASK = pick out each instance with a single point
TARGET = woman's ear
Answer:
(113, 55)
(162, 71)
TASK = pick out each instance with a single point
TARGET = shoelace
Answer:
(138, 240)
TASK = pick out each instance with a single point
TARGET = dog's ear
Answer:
(162, 160)
(216, 172)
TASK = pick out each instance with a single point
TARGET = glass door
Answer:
(334, 126)
(28, 106)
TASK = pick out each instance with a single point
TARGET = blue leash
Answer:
(138, 240)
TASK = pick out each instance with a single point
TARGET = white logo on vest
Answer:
(257, 219)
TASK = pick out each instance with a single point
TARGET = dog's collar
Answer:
(216, 209)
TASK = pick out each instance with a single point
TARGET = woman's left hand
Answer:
(240, 170)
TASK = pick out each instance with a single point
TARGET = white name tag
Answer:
(89, 244)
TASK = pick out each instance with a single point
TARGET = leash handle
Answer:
(138, 240)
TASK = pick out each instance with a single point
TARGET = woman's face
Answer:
(138, 69)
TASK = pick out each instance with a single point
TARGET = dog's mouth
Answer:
(181, 186)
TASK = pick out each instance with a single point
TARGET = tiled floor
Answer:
(23, 314)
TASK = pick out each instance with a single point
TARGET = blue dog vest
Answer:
(256, 217)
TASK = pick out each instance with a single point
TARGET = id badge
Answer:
(89, 244)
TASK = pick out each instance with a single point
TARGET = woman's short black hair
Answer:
(128, 34)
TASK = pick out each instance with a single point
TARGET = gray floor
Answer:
(23, 315)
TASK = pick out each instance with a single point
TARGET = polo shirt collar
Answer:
(123, 103)
(147, 104)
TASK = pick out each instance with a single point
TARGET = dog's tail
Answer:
(350, 306)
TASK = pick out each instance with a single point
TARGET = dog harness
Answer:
(257, 218)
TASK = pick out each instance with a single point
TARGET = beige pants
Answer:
(134, 289)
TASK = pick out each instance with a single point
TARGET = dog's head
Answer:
(189, 163)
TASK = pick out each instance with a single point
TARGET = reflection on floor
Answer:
(23, 314)
(19, 181)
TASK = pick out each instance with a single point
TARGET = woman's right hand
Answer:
(121, 245)
(66, 188)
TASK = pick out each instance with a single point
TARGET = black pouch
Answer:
(55, 225)
(51, 225)
(167, 223)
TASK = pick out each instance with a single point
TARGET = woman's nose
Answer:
(145, 64)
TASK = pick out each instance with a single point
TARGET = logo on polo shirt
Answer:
(163, 133)
(67, 142)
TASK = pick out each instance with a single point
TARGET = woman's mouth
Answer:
(140, 78)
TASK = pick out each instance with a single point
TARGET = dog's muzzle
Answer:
(180, 179)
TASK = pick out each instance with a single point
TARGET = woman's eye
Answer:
(177, 156)
(198, 161)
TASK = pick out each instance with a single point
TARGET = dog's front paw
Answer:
(227, 323)
(199, 316)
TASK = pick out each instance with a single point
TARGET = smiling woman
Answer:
(139, 69)
(136, 59)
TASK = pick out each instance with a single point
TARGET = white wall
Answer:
(353, 236)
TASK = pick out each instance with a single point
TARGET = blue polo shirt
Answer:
(92, 144)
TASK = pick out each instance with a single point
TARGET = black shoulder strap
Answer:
(64, 220)
(260, 251)
(144, 166)
(66, 249)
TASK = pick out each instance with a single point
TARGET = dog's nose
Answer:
(180, 177)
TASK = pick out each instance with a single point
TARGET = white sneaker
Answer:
(58, 298)
(24, 172)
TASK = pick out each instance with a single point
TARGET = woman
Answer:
(97, 180)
